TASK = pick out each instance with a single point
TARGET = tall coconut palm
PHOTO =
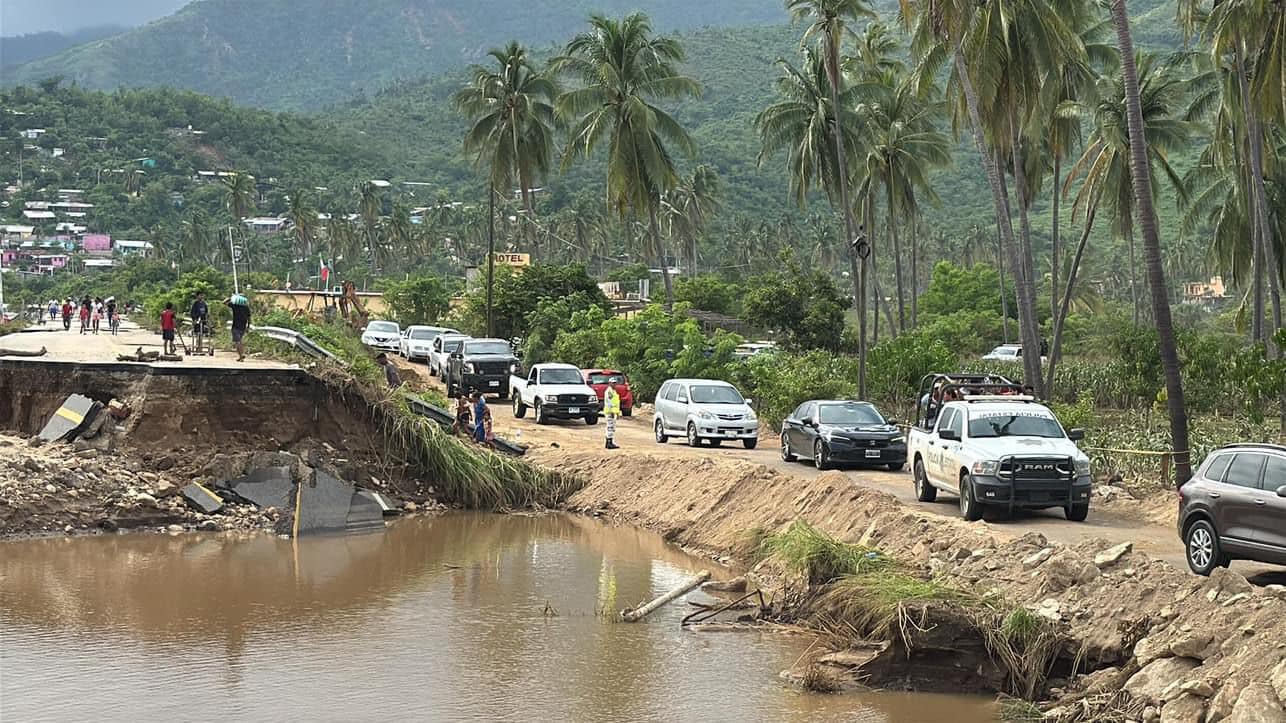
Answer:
(401, 232)
(623, 69)
(302, 212)
(238, 195)
(1141, 174)
(370, 206)
(828, 24)
(689, 206)
(196, 240)
(511, 109)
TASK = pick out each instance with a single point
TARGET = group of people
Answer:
(944, 390)
(91, 312)
(200, 315)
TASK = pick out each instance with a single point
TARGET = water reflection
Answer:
(477, 617)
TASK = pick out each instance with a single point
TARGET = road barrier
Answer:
(295, 339)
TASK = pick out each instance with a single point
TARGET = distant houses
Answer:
(266, 224)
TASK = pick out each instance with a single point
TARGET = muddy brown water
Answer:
(463, 617)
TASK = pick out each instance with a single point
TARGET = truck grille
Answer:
(1036, 468)
(492, 368)
(729, 417)
(572, 399)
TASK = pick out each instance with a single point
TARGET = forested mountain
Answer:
(293, 54)
(17, 49)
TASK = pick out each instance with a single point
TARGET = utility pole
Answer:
(491, 255)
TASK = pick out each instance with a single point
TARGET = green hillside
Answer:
(288, 54)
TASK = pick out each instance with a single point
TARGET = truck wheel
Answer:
(591, 419)
(520, 409)
(627, 411)
(540, 413)
(1077, 513)
(661, 437)
(821, 455)
(714, 442)
(693, 439)
(924, 491)
(970, 510)
(786, 454)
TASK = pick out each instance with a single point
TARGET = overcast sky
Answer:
(18, 17)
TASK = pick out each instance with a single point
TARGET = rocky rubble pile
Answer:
(93, 486)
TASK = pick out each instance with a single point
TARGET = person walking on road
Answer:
(167, 327)
(240, 306)
(481, 418)
(390, 371)
(96, 315)
(611, 410)
(53, 310)
(200, 315)
(67, 309)
(113, 319)
(84, 314)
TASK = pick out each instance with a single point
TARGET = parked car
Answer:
(997, 450)
(1010, 353)
(598, 379)
(1234, 508)
(554, 391)
(483, 365)
(444, 345)
(382, 335)
(704, 410)
(754, 348)
(834, 431)
(417, 341)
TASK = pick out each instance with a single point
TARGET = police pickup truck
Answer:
(554, 391)
(992, 446)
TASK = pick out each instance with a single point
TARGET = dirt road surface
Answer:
(72, 346)
(1150, 526)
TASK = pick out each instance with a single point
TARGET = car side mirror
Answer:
(750, 402)
(949, 434)
(813, 423)
(1076, 435)
(893, 422)
(456, 355)
(1281, 491)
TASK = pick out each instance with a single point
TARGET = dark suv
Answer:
(482, 365)
(1234, 507)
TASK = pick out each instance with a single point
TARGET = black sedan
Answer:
(832, 432)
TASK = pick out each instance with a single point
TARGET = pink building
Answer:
(96, 242)
(50, 263)
(8, 257)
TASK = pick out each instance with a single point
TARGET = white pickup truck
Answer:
(554, 391)
(1005, 451)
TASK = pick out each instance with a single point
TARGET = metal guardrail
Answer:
(295, 339)
(446, 419)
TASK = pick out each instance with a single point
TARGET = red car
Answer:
(598, 379)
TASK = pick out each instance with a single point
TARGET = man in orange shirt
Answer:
(167, 328)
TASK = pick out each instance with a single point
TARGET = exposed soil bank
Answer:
(1187, 648)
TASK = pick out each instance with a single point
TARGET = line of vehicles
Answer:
(980, 438)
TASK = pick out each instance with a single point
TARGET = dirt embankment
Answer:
(182, 427)
(1181, 647)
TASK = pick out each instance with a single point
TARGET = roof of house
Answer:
(123, 244)
(99, 262)
(265, 221)
(13, 228)
(37, 214)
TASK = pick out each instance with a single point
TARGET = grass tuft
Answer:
(819, 557)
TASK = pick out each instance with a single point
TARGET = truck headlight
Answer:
(552, 399)
(515, 368)
(986, 468)
(750, 415)
(468, 367)
(705, 415)
(1083, 466)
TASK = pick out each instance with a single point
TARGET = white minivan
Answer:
(704, 410)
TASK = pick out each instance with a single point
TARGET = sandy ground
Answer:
(1148, 524)
(72, 346)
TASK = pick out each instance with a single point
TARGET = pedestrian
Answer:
(53, 310)
(390, 371)
(113, 320)
(240, 306)
(67, 309)
(200, 313)
(96, 314)
(84, 315)
(167, 328)
(481, 417)
(612, 410)
(463, 416)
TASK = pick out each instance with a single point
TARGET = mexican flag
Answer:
(323, 271)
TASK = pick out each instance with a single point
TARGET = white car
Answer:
(382, 335)
(704, 410)
(444, 345)
(1008, 353)
(417, 341)
(1005, 451)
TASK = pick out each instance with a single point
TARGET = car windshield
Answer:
(1005, 351)
(423, 333)
(452, 345)
(852, 413)
(715, 394)
(382, 327)
(487, 347)
(1014, 424)
(560, 376)
(598, 378)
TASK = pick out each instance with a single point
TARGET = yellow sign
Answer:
(513, 259)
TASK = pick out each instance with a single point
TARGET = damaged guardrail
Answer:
(444, 418)
(295, 339)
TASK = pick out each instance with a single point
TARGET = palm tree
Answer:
(195, 238)
(1141, 174)
(512, 112)
(622, 68)
(829, 24)
(238, 195)
(302, 212)
(689, 205)
(401, 232)
(370, 204)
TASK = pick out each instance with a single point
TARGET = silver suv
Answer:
(704, 410)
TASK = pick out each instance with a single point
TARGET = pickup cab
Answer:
(999, 450)
(481, 365)
(554, 391)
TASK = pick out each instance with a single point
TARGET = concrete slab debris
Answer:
(202, 498)
(265, 487)
(322, 504)
(73, 416)
(364, 512)
(386, 504)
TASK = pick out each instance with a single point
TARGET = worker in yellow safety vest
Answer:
(611, 410)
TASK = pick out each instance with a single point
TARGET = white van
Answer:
(704, 410)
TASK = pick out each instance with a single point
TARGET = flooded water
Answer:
(464, 617)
